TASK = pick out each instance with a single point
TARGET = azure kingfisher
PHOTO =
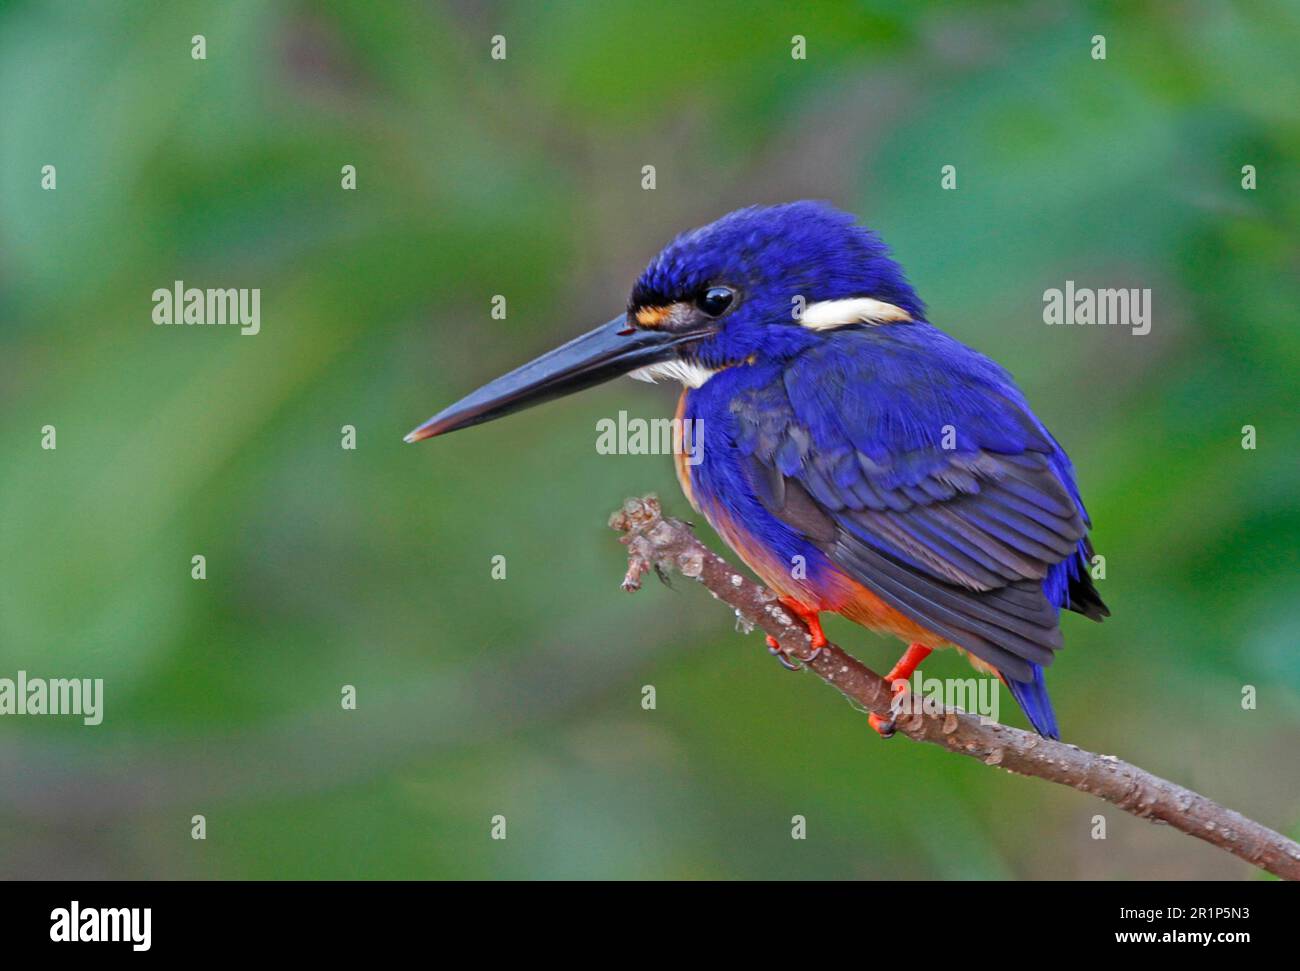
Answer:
(856, 457)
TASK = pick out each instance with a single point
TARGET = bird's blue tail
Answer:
(1032, 698)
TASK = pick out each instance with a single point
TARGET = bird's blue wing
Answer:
(916, 466)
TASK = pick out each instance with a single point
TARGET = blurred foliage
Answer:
(522, 177)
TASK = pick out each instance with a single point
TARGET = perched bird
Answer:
(857, 458)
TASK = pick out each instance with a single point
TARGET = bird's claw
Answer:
(885, 727)
(786, 662)
(774, 648)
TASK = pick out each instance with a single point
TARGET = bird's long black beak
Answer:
(611, 350)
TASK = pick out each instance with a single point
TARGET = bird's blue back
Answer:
(879, 420)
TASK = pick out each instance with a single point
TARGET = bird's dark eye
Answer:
(715, 300)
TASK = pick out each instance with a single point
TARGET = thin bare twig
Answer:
(662, 544)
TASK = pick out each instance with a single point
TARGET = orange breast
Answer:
(680, 457)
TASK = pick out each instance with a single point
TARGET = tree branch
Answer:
(663, 544)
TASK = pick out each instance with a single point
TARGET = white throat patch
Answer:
(829, 314)
(688, 373)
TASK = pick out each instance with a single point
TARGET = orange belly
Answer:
(830, 591)
(834, 591)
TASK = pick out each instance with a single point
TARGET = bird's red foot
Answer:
(811, 621)
(884, 727)
(908, 663)
(809, 618)
(897, 680)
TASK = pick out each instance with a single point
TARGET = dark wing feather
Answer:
(959, 539)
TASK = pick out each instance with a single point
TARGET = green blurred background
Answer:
(522, 177)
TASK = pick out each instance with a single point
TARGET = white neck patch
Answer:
(829, 314)
(687, 372)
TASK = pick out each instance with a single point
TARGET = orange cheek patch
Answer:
(652, 316)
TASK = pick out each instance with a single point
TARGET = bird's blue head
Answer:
(759, 284)
(751, 277)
